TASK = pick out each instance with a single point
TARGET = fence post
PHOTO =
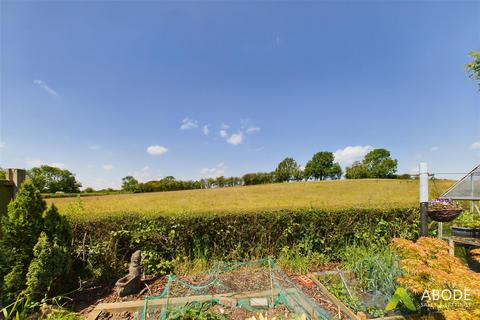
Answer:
(423, 199)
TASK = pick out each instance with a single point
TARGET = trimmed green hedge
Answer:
(104, 246)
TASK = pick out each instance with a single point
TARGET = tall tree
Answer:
(335, 171)
(473, 68)
(379, 164)
(356, 171)
(320, 166)
(53, 179)
(287, 170)
(130, 184)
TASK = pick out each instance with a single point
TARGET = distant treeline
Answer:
(56, 182)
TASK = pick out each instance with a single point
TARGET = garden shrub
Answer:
(50, 262)
(19, 231)
(107, 243)
(427, 265)
(35, 244)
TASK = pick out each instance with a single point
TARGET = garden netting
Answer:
(233, 288)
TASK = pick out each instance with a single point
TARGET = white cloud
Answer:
(214, 172)
(224, 126)
(205, 130)
(476, 145)
(433, 149)
(37, 163)
(156, 150)
(107, 167)
(95, 147)
(350, 154)
(253, 129)
(144, 174)
(223, 133)
(188, 123)
(2, 145)
(45, 87)
(236, 138)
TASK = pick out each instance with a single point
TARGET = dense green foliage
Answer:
(322, 167)
(52, 179)
(287, 170)
(3, 174)
(375, 267)
(356, 171)
(473, 67)
(35, 246)
(258, 178)
(130, 184)
(167, 240)
(376, 164)
(51, 260)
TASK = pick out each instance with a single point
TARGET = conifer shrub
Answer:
(35, 244)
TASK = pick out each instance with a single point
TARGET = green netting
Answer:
(253, 286)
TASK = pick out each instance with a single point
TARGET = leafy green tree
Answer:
(379, 164)
(287, 170)
(3, 174)
(258, 178)
(89, 190)
(130, 184)
(473, 68)
(356, 171)
(335, 172)
(320, 166)
(51, 179)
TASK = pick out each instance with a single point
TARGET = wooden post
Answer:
(451, 247)
(423, 199)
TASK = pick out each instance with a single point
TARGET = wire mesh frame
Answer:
(467, 184)
(289, 294)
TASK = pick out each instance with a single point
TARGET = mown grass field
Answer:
(324, 194)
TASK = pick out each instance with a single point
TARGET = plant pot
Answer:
(444, 215)
(466, 232)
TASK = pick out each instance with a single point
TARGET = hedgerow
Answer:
(104, 245)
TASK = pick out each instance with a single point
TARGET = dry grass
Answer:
(325, 194)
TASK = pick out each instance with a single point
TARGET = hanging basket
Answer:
(446, 215)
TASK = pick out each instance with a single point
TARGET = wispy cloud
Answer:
(95, 147)
(156, 150)
(223, 133)
(252, 130)
(350, 154)
(433, 149)
(218, 170)
(37, 163)
(45, 87)
(188, 123)
(2, 145)
(144, 174)
(205, 130)
(236, 138)
(476, 145)
(107, 167)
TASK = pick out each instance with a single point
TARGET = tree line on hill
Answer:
(322, 166)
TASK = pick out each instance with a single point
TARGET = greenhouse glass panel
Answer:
(467, 188)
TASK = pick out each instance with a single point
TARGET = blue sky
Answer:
(195, 89)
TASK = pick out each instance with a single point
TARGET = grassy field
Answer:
(325, 194)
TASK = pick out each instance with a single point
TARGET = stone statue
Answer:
(131, 284)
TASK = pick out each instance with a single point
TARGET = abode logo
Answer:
(447, 298)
